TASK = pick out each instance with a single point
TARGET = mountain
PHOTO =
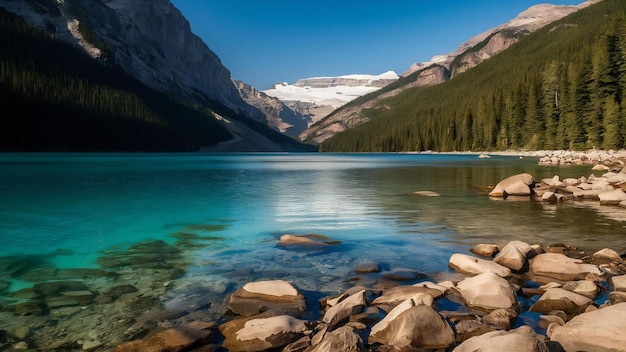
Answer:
(152, 42)
(316, 97)
(442, 67)
(560, 87)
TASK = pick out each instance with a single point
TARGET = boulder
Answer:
(608, 254)
(510, 184)
(466, 329)
(426, 194)
(350, 305)
(487, 291)
(310, 241)
(522, 339)
(275, 295)
(619, 283)
(586, 288)
(514, 255)
(547, 267)
(403, 275)
(549, 197)
(613, 197)
(616, 297)
(559, 299)
(470, 265)
(600, 330)
(396, 295)
(366, 266)
(485, 250)
(418, 327)
(343, 339)
(260, 334)
(174, 339)
(501, 318)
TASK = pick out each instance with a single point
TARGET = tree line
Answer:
(561, 87)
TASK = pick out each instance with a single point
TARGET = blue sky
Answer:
(265, 42)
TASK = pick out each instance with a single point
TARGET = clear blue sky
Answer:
(265, 42)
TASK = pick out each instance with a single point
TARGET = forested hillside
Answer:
(56, 98)
(562, 87)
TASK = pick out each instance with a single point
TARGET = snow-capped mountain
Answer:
(527, 21)
(316, 97)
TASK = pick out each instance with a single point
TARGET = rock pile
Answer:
(608, 188)
(609, 159)
(494, 305)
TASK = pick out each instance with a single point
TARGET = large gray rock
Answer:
(513, 185)
(470, 265)
(601, 330)
(350, 305)
(418, 327)
(514, 255)
(560, 299)
(522, 339)
(275, 295)
(343, 339)
(260, 334)
(548, 267)
(488, 291)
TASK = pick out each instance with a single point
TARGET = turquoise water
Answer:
(67, 210)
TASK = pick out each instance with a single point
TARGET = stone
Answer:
(396, 295)
(174, 339)
(22, 345)
(500, 189)
(469, 265)
(513, 255)
(415, 327)
(350, 305)
(582, 287)
(91, 345)
(559, 299)
(485, 250)
(466, 329)
(365, 267)
(600, 167)
(549, 197)
(616, 297)
(29, 308)
(487, 291)
(619, 283)
(343, 339)
(522, 339)
(301, 345)
(518, 188)
(275, 295)
(426, 194)
(546, 320)
(608, 254)
(311, 241)
(547, 267)
(262, 333)
(502, 319)
(596, 331)
(612, 197)
(403, 275)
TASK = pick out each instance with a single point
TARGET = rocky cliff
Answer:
(152, 41)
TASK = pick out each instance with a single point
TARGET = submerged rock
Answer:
(174, 339)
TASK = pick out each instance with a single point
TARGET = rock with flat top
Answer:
(608, 254)
(485, 250)
(470, 265)
(613, 197)
(262, 333)
(586, 288)
(547, 267)
(559, 299)
(488, 291)
(275, 295)
(349, 305)
(514, 255)
(619, 283)
(522, 339)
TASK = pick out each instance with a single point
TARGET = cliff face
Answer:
(279, 116)
(150, 39)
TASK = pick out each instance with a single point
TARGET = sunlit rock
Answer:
(522, 339)
(508, 185)
(549, 267)
(600, 330)
(560, 299)
(467, 264)
(488, 291)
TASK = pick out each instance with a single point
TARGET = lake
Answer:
(192, 228)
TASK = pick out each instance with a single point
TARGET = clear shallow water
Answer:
(68, 209)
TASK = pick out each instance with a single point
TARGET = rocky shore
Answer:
(520, 297)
